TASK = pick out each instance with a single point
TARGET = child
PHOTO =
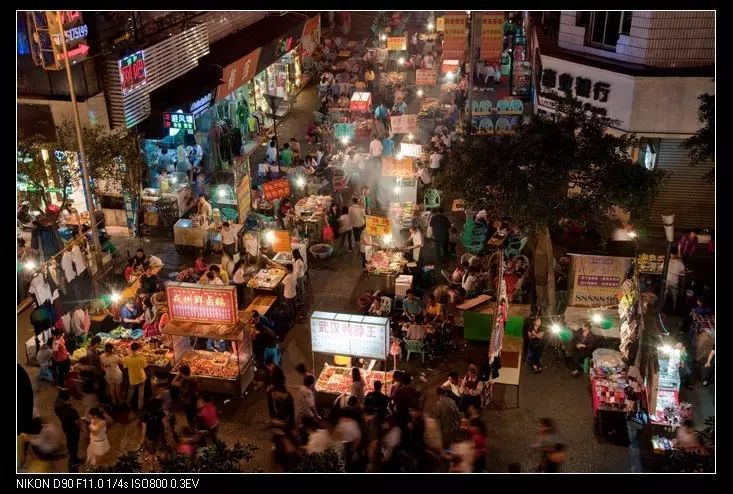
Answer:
(200, 265)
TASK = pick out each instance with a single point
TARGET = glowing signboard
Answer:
(132, 71)
(203, 304)
(346, 334)
(183, 121)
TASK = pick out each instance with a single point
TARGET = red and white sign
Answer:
(236, 74)
(426, 77)
(361, 101)
(203, 304)
(346, 334)
(454, 37)
(132, 71)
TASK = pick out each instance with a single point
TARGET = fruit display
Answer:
(385, 262)
(156, 355)
(429, 107)
(210, 364)
(275, 189)
(335, 379)
(650, 263)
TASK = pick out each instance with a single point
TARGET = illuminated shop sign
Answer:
(132, 71)
(178, 121)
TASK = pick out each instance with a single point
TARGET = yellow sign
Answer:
(397, 43)
(596, 279)
(281, 243)
(392, 167)
(378, 226)
(492, 36)
(440, 24)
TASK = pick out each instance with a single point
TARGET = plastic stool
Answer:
(586, 365)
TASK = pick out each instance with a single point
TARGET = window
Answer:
(606, 27)
(582, 18)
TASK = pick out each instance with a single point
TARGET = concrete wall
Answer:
(656, 38)
(94, 109)
(668, 104)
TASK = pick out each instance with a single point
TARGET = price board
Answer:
(596, 279)
(397, 43)
(392, 167)
(403, 124)
(378, 226)
(347, 334)
(426, 77)
(204, 304)
(281, 243)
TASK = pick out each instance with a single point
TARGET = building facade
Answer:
(646, 70)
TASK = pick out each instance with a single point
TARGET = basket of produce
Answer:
(321, 251)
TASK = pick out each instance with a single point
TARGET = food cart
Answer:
(206, 312)
(354, 336)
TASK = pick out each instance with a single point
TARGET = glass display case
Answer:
(226, 372)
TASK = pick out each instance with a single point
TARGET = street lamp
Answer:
(668, 221)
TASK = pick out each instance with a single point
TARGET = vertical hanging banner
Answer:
(454, 37)
(492, 36)
(311, 36)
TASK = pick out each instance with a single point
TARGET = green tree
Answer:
(43, 170)
(701, 145)
(549, 170)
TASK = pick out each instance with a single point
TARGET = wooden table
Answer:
(509, 374)
(131, 290)
(261, 304)
(260, 282)
(474, 302)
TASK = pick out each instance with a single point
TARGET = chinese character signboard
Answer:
(345, 334)
(392, 167)
(454, 37)
(341, 130)
(132, 71)
(378, 226)
(178, 121)
(397, 43)
(281, 242)
(403, 124)
(596, 279)
(440, 24)
(414, 150)
(492, 36)
(236, 74)
(568, 79)
(426, 77)
(203, 304)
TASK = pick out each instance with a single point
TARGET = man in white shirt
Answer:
(228, 239)
(675, 270)
(77, 321)
(305, 402)
(416, 242)
(357, 215)
(290, 290)
(435, 158)
(424, 175)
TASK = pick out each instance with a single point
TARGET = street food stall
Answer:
(175, 188)
(355, 336)
(311, 211)
(189, 233)
(210, 312)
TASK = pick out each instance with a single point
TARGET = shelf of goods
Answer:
(386, 262)
(155, 352)
(650, 264)
(219, 372)
(337, 380)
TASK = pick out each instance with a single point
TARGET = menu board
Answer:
(426, 77)
(392, 167)
(346, 334)
(454, 37)
(281, 243)
(397, 43)
(596, 279)
(492, 36)
(201, 303)
(413, 150)
(378, 226)
(403, 124)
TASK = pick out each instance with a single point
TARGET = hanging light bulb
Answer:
(401, 60)
(597, 318)
(116, 297)
(556, 329)
(430, 26)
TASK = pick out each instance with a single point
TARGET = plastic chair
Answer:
(485, 106)
(486, 124)
(431, 198)
(516, 105)
(415, 346)
(515, 247)
(502, 125)
(502, 105)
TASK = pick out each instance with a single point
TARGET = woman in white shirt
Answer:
(469, 282)
(299, 270)
(435, 158)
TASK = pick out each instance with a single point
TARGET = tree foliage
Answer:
(701, 146)
(549, 170)
(43, 169)
(327, 461)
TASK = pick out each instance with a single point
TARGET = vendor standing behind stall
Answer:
(203, 208)
(414, 243)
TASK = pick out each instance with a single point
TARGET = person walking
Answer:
(98, 442)
(440, 224)
(536, 335)
(112, 373)
(71, 425)
(290, 291)
(135, 365)
(299, 270)
(357, 215)
(189, 391)
(447, 413)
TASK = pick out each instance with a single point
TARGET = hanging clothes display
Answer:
(253, 125)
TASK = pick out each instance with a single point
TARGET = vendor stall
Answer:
(189, 233)
(311, 211)
(210, 312)
(386, 262)
(267, 280)
(355, 336)
(176, 188)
